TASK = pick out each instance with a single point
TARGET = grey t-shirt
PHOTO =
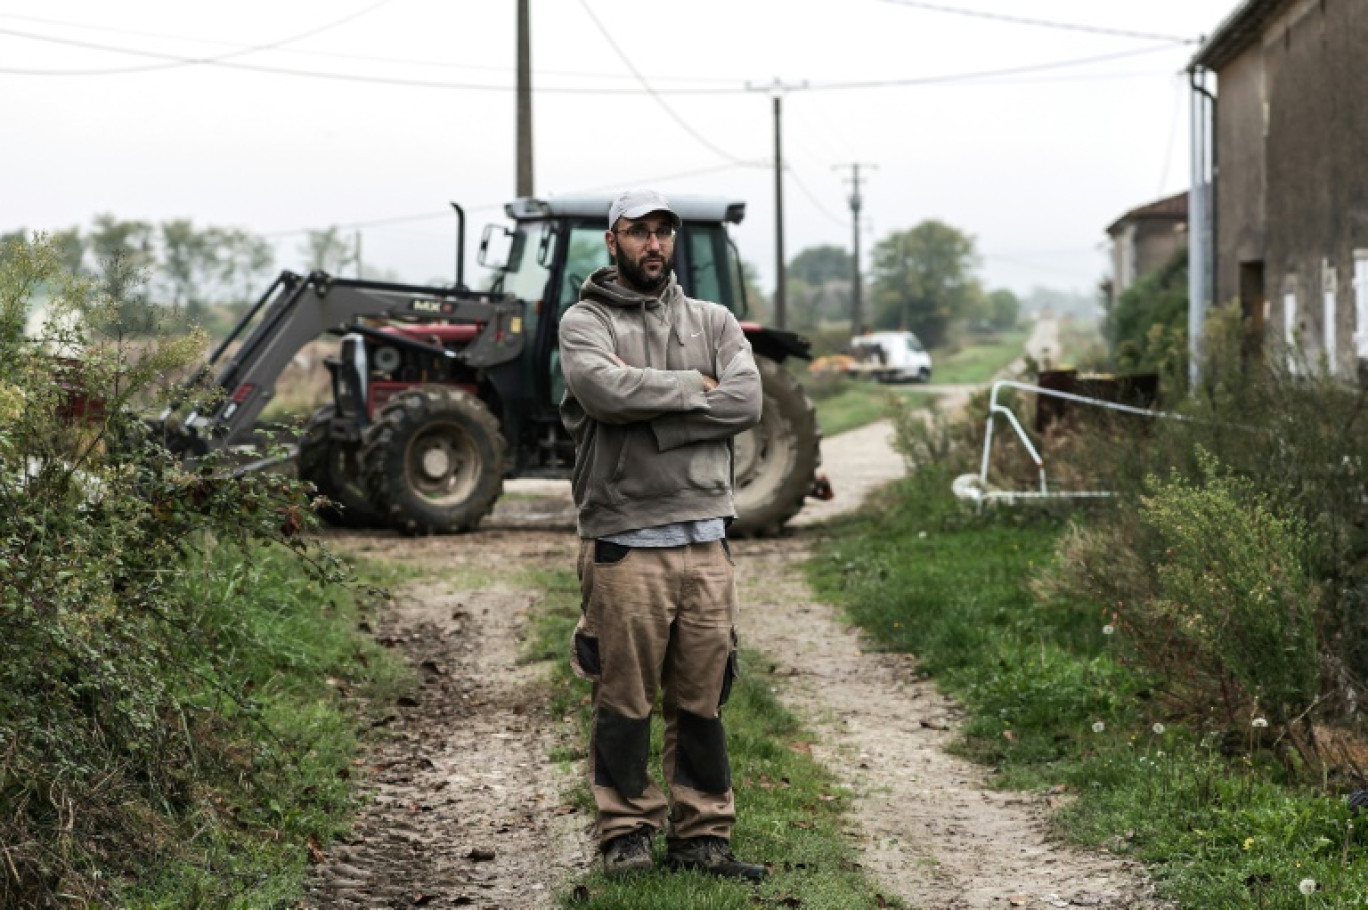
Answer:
(672, 535)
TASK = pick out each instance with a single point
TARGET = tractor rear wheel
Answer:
(776, 461)
(433, 461)
(332, 467)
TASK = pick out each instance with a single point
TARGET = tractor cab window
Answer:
(585, 253)
(712, 270)
(527, 271)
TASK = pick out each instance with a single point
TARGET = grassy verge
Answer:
(790, 809)
(1051, 705)
(247, 842)
(851, 405)
(979, 362)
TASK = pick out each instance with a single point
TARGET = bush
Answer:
(1236, 609)
(1248, 583)
(1147, 329)
(130, 690)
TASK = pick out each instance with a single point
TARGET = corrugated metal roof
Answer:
(1237, 31)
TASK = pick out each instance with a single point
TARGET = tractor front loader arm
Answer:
(297, 310)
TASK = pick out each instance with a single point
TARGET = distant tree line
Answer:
(923, 279)
(192, 270)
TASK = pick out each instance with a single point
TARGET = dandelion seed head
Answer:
(1307, 886)
(1259, 722)
(1099, 726)
(1108, 629)
(1158, 729)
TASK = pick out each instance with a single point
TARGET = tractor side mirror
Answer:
(546, 247)
(496, 246)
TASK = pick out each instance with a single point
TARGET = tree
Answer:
(1149, 322)
(123, 255)
(1004, 309)
(328, 250)
(818, 265)
(122, 250)
(69, 247)
(923, 279)
(245, 261)
(189, 261)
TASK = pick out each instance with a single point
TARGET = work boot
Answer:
(713, 855)
(628, 853)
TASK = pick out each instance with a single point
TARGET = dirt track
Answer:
(465, 806)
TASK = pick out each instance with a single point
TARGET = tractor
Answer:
(441, 393)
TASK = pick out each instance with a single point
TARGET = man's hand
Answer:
(708, 382)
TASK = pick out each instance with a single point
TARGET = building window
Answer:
(1289, 307)
(1329, 291)
(1361, 303)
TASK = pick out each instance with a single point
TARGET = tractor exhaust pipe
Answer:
(460, 247)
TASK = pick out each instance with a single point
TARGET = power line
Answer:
(703, 140)
(1041, 23)
(803, 187)
(1035, 266)
(172, 62)
(1173, 133)
(222, 61)
(408, 61)
(986, 74)
(493, 206)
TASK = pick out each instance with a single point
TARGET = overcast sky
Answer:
(295, 114)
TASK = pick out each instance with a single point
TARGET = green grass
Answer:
(790, 810)
(855, 404)
(1051, 705)
(978, 362)
(298, 653)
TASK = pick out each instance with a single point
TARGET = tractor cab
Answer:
(554, 244)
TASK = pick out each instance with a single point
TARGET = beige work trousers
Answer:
(658, 616)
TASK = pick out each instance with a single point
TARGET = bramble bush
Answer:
(1242, 577)
(131, 706)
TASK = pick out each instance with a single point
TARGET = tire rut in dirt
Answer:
(433, 462)
(459, 807)
(776, 461)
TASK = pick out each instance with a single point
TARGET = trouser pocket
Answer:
(606, 553)
(729, 674)
(584, 655)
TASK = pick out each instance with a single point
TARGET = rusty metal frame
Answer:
(975, 487)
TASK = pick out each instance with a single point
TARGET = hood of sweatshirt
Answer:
(603, 286)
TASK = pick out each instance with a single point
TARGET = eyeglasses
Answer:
(642, 234)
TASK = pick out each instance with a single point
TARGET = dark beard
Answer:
(634, 276)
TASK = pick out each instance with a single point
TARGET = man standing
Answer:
(657, 385)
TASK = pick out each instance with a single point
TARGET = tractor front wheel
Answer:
(776, 461)
(433, 462)
(331, 466)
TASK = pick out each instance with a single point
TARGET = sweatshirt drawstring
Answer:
(646, 333)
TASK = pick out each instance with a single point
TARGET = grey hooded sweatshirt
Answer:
(651, 446)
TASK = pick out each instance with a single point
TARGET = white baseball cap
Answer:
(638, 204)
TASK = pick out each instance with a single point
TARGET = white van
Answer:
(890, 357)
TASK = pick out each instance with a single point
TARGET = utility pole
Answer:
(777, 90)
(857, 282)
(524, 186)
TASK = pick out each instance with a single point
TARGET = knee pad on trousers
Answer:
(701, 754)
(622, 746)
